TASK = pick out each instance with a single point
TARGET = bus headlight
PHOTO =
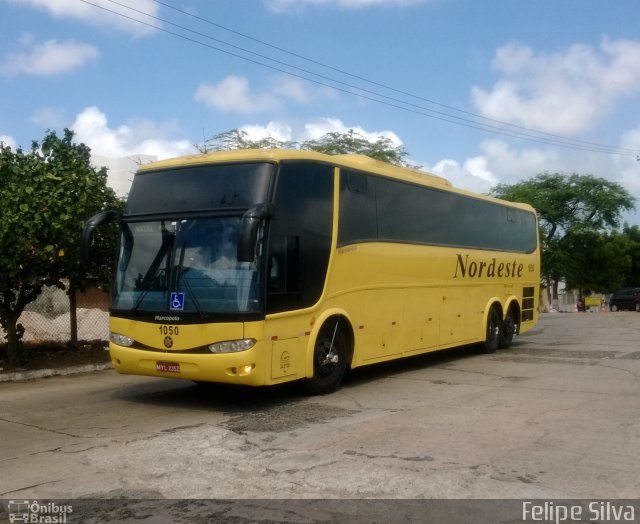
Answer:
(121, 340)
(232, 346)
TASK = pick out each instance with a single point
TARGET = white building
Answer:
(121, 170)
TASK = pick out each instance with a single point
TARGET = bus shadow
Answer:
(441, 357)
(232, 399)
(207, 396)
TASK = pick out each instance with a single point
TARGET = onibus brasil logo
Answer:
(38, 512)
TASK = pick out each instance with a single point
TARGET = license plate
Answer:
(168, 367)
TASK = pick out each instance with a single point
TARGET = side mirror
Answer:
(105, 217)
(248, 231)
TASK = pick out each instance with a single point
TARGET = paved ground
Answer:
(555, 416)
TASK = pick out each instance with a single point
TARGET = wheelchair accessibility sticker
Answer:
(177, 301)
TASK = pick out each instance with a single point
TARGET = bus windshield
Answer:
(186, 265)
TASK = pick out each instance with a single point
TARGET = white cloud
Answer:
(103, 17)
(472, 175)
(628, 167)
(9, 141)
(500, 162)
(511, 164)
(287, 5)
(321, 126)
(234, 94)
(312, 130)
(142, 137)
(291, 88)
(277, 130)
(122, 148)
(564, 92)
(48, 58)
(478, 167)
(49, 117)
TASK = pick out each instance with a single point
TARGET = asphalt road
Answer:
(555, 416)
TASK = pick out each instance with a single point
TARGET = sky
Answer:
(481, 92)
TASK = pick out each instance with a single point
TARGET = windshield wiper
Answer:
(179, 271)
(152, 274)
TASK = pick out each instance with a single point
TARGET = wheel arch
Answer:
(493, 302)
(512, 304)
(346, 327)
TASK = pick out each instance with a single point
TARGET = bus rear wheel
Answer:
(493, 330)
(329, 360)
(508, 330)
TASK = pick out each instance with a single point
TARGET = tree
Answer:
(88, 194)
(599, 262)
(352, 142)
(239, 139)
(633, 275)
(569, 208)
(47, 193)
(331, 144)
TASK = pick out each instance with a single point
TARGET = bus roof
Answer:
(352, 161)
(360, 162)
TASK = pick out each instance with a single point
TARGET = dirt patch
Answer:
(55, 355)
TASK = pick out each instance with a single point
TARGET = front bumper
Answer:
(244, 367)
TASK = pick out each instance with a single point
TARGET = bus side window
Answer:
(357, 219)
(285, 261)
(299, 235)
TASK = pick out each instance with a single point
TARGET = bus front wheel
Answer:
(494, 327)
(329, 359)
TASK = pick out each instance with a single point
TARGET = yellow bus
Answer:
(260, 267)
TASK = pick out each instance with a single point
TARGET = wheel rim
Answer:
(493, 328)
(492, 337)
(508, 331)
(330, 359)
(327, 357)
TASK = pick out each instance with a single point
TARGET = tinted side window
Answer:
(357, 220)
(389, 210)
(300, 236)
(398, 210)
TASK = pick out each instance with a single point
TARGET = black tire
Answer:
(507, 331)
(329, 360)
(493, 330)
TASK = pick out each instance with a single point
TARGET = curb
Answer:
(17, 376)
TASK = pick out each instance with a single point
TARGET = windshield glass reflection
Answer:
(185, 265)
